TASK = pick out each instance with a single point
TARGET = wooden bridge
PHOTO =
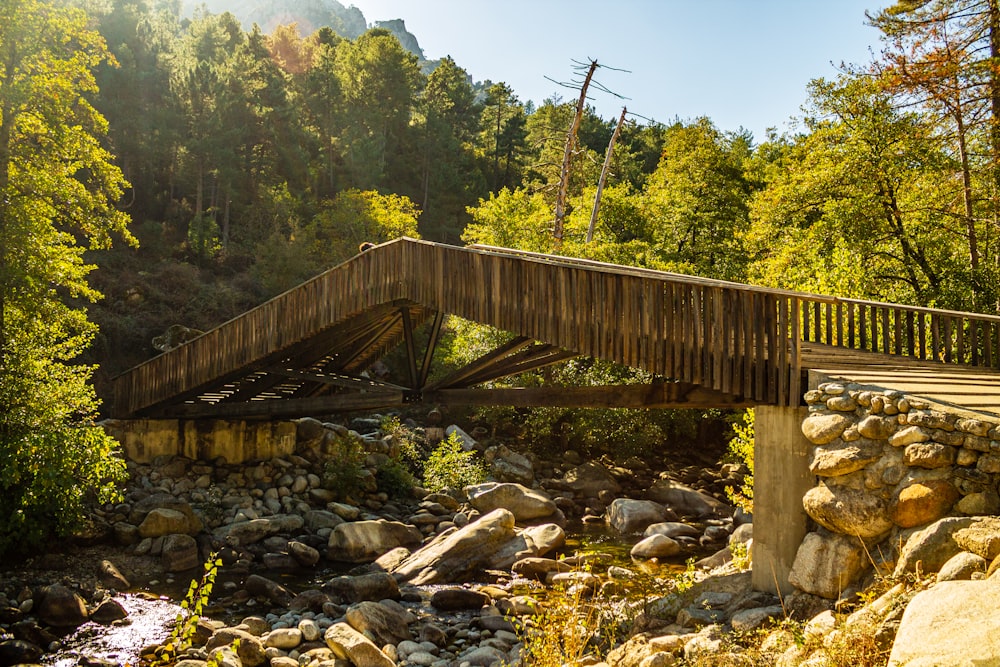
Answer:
(706, 342)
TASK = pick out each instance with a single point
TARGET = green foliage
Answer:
(450, 466)
(343, 470)
(741, 451)
(394, 478)
(57, 187)
(333, 235)
(186, 625)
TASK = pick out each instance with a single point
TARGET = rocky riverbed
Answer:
(311, 573)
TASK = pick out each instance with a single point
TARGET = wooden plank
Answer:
(781, 351)
(795, 383)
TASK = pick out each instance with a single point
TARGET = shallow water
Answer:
(152, 613)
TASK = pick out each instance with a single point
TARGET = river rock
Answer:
(686, 501)
(163, 521)
(509, 466)
(454, 556)
(538, 568)
(671, 529)
(456, 599)
(827, 563)
(250, 649)
(821, 429)
(19, 652)
(372, 586)
(255, 530)
(633, 516)
(349, 644)
(318, 519)
(877, 427)
(923, 502)
(284, 638)
(524, 503)
(108, 612)
(180, 553)
(364, 541)
(61, 607)
(303, 554)
(931, 546)
(929, 455)
(962, 566)
(589, 479)
(262, 587)
(849, 511)
(981, 537)
(655, 546)
(109, 575)
(952, 623)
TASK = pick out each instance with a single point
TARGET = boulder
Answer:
(365, 587)
(61, 607)
(180, 553)
(841, 458)
(383, 623)
(686, 501)
(349, 644)
(468, 442)
(931, 546)
(109, 575)
(508, 466)
(456, 555)
(524, 503)
(590, 479)
(877, 427)
(283, 638)
(952, 623)
(364, 541)
(255, 530)
(655, 546)
(319, 519)
(164, 521)
(633, 516)
(826, 564)
(923, 502)
(849, 511)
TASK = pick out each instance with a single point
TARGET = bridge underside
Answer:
(339, 370)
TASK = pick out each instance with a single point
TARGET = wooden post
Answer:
(604, 175)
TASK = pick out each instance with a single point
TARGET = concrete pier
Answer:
(781, 478)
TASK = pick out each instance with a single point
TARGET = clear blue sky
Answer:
(739, 62)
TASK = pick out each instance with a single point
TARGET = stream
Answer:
(153, 608)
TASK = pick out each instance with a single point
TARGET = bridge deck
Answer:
(715, 342)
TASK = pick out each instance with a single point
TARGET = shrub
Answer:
(344, 470)
(394, 478)
(741, 451)
(450, 466)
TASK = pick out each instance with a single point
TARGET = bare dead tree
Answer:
(604, 175)
(563, 191)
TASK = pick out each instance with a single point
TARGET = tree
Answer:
(57, 185)
(943, 56)
(855, 207)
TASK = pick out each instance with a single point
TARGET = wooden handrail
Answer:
(742, 340)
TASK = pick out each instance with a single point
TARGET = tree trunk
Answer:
(563, 192)
(604, 175)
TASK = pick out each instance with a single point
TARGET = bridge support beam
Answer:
(781, 478)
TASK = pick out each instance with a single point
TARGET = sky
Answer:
(742, 63)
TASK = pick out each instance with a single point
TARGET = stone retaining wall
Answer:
(204, 439)
(886, 464)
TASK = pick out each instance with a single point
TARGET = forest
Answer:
(160, 169)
